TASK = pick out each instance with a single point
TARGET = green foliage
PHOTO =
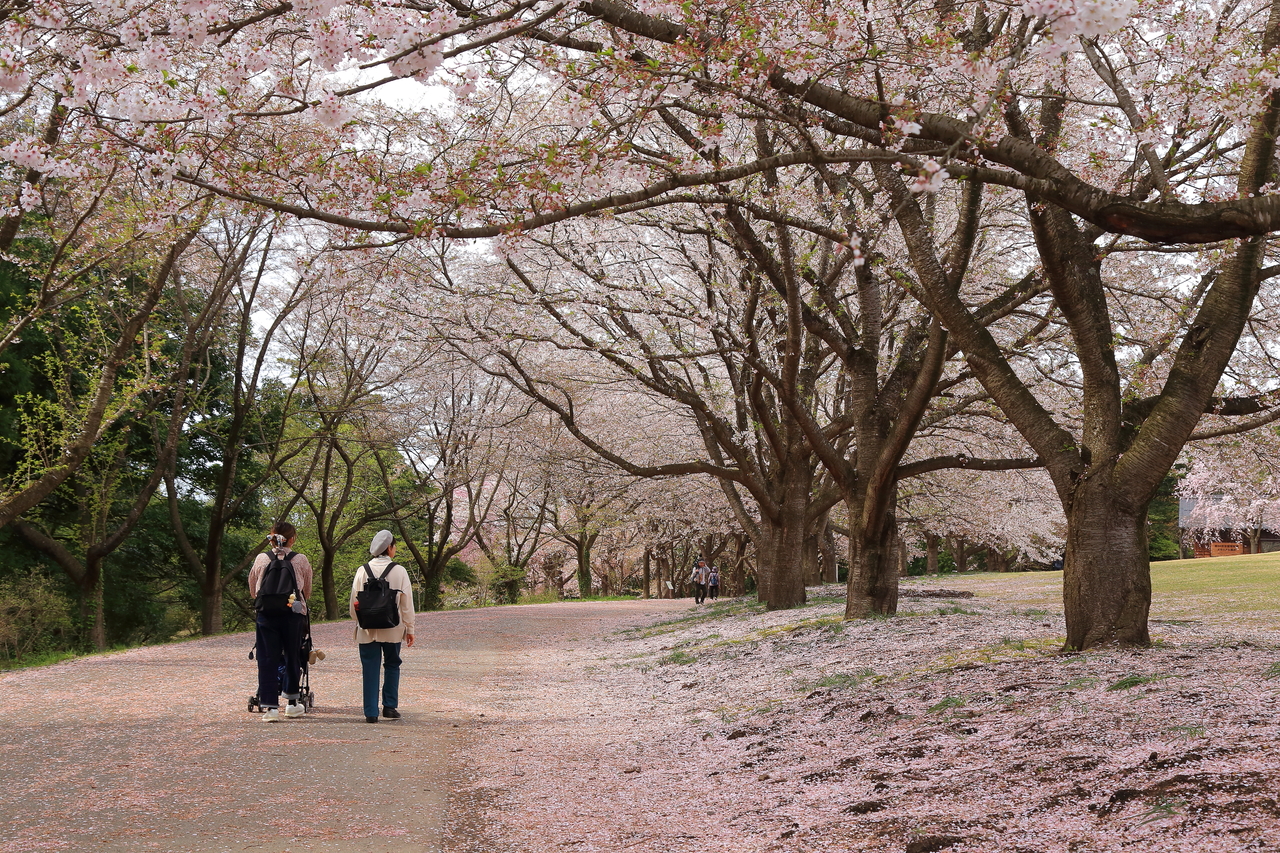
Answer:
(1130, 681)
(946, 703)
(20, 376)
(148, 594)
(35, 617)
(677, 658)
(1163, 809)
(458, 572)
(843, 680)
(1162, 521)
(506, 582)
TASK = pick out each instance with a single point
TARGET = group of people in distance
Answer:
(280, 630)
(706, 581)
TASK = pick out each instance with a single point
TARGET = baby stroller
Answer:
(307, 656)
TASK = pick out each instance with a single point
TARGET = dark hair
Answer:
(285, 529)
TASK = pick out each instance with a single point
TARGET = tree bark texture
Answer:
(872, 586)
(781, 570)
(1107, 576)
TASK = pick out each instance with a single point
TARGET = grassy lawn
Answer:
(1182, 589)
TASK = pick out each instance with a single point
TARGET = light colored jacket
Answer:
(398, 577)
(302, 573)
(701, 574)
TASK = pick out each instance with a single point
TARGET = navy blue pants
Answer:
(387, 654)
(279, 641)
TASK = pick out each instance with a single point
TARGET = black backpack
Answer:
(277, 584)
(378, 604)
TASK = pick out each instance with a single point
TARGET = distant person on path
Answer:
(701, 575)
(280, 582)
(713, 584)
(381, 646)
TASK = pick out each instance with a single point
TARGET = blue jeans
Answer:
(388, 655)
(279, 636)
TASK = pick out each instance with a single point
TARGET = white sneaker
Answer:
(271, 715)
(295, 710)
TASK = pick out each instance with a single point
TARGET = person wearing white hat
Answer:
(380, 647)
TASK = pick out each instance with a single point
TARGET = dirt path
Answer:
(153, 749)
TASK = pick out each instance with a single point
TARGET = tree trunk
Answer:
(872, 586)
(212, 586)
(1107, 576)
(211, 609)
(781, 572)
(647, 557)
(959, 553)
(583, 551)
(829, 570)
(98, 634)
(813, 560)
(781, 567)
(328, 555)
(931, 553)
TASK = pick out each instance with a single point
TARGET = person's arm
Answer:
(304, 573)
(255, 574)
(357, 580)
(408, 615)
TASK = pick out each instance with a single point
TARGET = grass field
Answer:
(1213, 587)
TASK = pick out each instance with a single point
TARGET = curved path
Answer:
(153, 749)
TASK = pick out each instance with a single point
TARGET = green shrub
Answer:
(35, 617)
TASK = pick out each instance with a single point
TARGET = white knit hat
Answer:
(382, 540)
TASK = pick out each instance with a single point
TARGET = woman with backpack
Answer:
(386, 618)
(280, 582)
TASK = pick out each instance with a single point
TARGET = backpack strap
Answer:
(387, 571)
(368, 572)
(293, 573)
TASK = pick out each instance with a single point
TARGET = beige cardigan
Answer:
(399, 579)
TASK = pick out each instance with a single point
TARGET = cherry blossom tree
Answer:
(1233, 484)
(450, 464)
(1182, 155)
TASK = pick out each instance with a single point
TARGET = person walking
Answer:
(701, 575)
(380, 647)
(713, 584)
(280, 583)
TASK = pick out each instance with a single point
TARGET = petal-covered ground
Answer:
(660, 726)
(153, 749)
(956, 725)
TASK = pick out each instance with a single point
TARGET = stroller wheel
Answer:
(309, 699)
(253, 704)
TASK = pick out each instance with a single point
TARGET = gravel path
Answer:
(153, 749)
